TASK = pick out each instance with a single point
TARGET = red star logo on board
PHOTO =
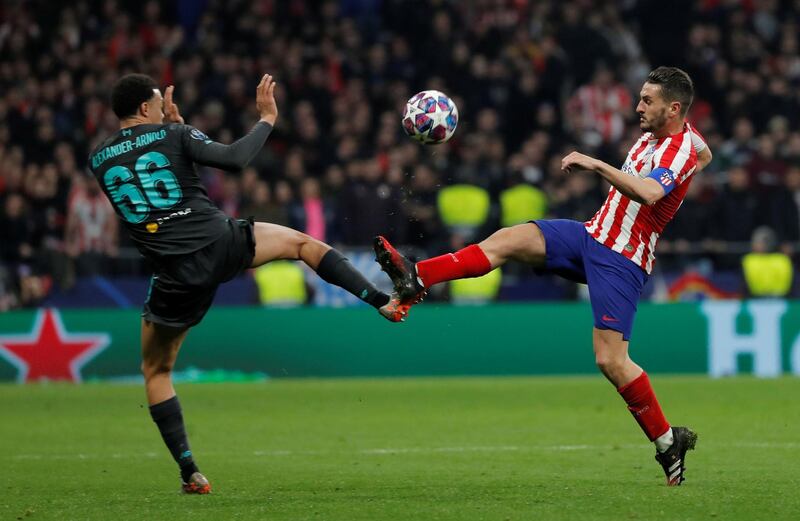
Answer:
(49, 352)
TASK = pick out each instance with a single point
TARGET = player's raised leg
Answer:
(523, 242)
(275, 242)
(160, 346)
(633, 384)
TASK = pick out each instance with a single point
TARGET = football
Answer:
(430, 117)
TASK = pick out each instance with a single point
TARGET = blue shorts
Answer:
(615, 283)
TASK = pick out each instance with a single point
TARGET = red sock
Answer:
(644, 406)
(466, 262)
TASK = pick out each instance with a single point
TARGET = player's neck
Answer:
(132, 122)
(674, 127)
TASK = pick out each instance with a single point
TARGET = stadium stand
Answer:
(532, 80)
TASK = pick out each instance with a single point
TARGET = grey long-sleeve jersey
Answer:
(148, 174)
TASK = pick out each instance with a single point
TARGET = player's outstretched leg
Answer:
(275, 242)
(412, 280)
(160, 346)
(334, 268)
(402, 271)
(524, 243)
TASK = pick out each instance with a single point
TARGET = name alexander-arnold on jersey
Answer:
(127, 146)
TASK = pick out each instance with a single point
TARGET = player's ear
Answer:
(675, 108)
(144, 108)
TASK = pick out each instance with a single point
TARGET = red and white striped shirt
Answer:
(630, 228)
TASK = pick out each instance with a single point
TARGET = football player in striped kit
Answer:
(613, 252)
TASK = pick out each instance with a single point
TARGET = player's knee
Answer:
(299, 241)
(521, 242)
(151, 368)
(303, 239)
(499, 246)
(507, 238)
(607, 360)
(604, 362)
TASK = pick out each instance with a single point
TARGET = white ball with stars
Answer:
(430, 117)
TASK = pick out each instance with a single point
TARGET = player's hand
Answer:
(265, 100)
(171, 112)
(576, 161)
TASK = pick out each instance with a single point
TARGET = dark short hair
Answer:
(675, 84)
(129, 92)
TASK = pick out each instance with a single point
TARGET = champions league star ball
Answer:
(430, 117)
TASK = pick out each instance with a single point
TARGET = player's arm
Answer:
(701, 147)
(239, 153)
(235, 156)
(704, 157)
(645, 191)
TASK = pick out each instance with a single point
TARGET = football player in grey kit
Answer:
(147, 171)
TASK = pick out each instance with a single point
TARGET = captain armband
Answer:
(665, 177)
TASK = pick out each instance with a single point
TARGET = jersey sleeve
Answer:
(698, 141)
(205, 151)
(677, 159)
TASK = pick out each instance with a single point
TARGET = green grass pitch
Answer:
(401, 449)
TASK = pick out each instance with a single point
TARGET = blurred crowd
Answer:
(532, 80)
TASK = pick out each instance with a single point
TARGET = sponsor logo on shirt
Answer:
(628, 169)
(198, 135)
(179, 213)
(153, 227)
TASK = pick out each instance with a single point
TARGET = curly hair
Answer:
(129, 92)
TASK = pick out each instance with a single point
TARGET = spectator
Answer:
(263, 207)
(344, 72)
(597, 112)
(368, 205)
(16, 230)
(92, 230)
(692, 227)
(767, 272)
(780, 210)
(578, 198)
(736, 214)
(739, 149)
(419, 208)
(311, 213)
(765, 168)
